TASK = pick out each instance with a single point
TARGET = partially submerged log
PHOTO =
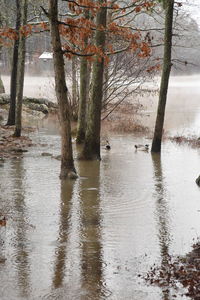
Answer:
(39, 104)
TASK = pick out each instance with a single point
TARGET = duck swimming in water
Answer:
(2, 221)
(107, 146)
(142, 147)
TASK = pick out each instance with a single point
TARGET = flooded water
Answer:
(182, 109)
(93, 238)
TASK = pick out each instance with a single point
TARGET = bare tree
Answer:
(13, 80)
(20, 75)
(67, 162)
(91, 148)
(169, 10)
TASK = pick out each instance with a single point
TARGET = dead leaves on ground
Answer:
(180, 270)
(10, 145)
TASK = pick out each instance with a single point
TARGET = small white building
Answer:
(45, 56)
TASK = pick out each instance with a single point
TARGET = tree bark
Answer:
(20, 75)
(2, 89)
(67, 162)
(105, 85)
(84, 94)
(91, 149)
(157, 139)
(81, 127)
(13, 80)
(74, 81)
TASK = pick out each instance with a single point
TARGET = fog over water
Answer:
(182, 110)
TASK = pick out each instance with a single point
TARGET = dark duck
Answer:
(142, 147)
(107, 146)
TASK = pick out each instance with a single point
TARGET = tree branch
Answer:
(44, 11)
(78, 54)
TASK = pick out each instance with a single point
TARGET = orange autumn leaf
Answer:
(138, 9)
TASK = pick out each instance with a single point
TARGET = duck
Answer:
(3, 221)
(107, 146)
(142, 147)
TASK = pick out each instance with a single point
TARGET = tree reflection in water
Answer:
(162, 216)
(67, 187)
(91, 261)
(21, 239)
(80, 200)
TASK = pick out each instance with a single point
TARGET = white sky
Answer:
(192, 6)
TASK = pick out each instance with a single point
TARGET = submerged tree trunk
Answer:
(67, 162)
(13, 80)
(157, 139)
(91, 149)
(20, 75)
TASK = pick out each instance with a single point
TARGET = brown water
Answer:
(90, 239)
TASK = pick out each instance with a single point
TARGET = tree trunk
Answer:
(84, 94)
(105, 85)
(91, 149)
(20, 75)
(75, 95)
(74, 81)
(156, 144)
(106, 68)
(13, 80)
(67, 162)
(2, 89)
(81, 127)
